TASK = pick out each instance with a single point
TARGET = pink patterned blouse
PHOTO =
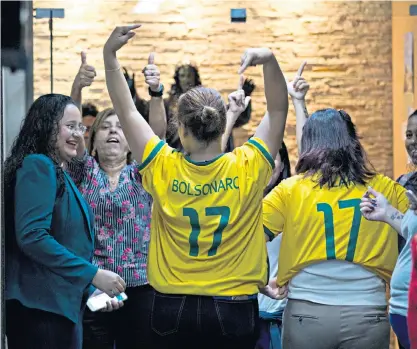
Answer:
(122, 218)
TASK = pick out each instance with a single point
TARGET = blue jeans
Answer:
(399, 325)
(189, 322)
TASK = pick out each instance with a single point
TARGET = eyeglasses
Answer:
(77, 129)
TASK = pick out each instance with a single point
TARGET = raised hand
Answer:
(237, 100)
(86, 73)
(374, 208)
(272, 290)
(298, 87)
(254, 56)
(152, 74)
(119, 37)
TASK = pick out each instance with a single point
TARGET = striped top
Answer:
(122, 218)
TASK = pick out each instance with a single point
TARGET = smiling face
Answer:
(109, 140)
(411, 139)
(69, 135)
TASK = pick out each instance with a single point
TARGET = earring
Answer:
(93, 153)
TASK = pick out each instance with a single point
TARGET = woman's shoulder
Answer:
(385, 185)
(380, 178)
(38, 160)
(38, 166)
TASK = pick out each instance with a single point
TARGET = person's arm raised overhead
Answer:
(136, 129)
(237, 105)
(157, 118)
(84, 78)
(297, 89)
(272, 127)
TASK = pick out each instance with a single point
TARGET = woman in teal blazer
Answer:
(49, 243)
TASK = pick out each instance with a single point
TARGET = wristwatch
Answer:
(158, 93)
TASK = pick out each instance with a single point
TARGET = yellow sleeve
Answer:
(257, 160)
(273, 208)
(402, 199)
(153, 162)
(393, 191)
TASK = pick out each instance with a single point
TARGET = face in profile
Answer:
(411, 139)
(109, 140)
(88, 122)
(69, 134)
(186, 78)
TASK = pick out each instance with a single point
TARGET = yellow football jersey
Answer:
(322, 224)
(206, 232)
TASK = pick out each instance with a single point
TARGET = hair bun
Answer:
(209, 114)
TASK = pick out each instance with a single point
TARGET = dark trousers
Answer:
(400, 328)
(128, 327)
(189, 322)
(28, 328)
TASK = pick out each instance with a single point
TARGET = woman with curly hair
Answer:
(49, 232)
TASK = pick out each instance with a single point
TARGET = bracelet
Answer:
(116, 69)
(158, 93)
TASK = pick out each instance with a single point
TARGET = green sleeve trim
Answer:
(263, 151)
(152, 155)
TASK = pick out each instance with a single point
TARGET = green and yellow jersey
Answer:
(323, 224)
(207, 231)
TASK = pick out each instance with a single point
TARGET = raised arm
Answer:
(297, 89)
(157, 118)
(84, 78)
(272, 127)
(136, 129)
(237, 105)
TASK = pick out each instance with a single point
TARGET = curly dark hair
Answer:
(37, 135)
(330, 149)
(176, 87)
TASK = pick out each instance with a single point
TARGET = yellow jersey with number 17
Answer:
(321, 224)
(206, 230)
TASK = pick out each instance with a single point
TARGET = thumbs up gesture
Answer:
(298, 87)
(86, 74)
(151, 73)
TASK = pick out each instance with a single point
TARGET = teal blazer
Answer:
(49, 242)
